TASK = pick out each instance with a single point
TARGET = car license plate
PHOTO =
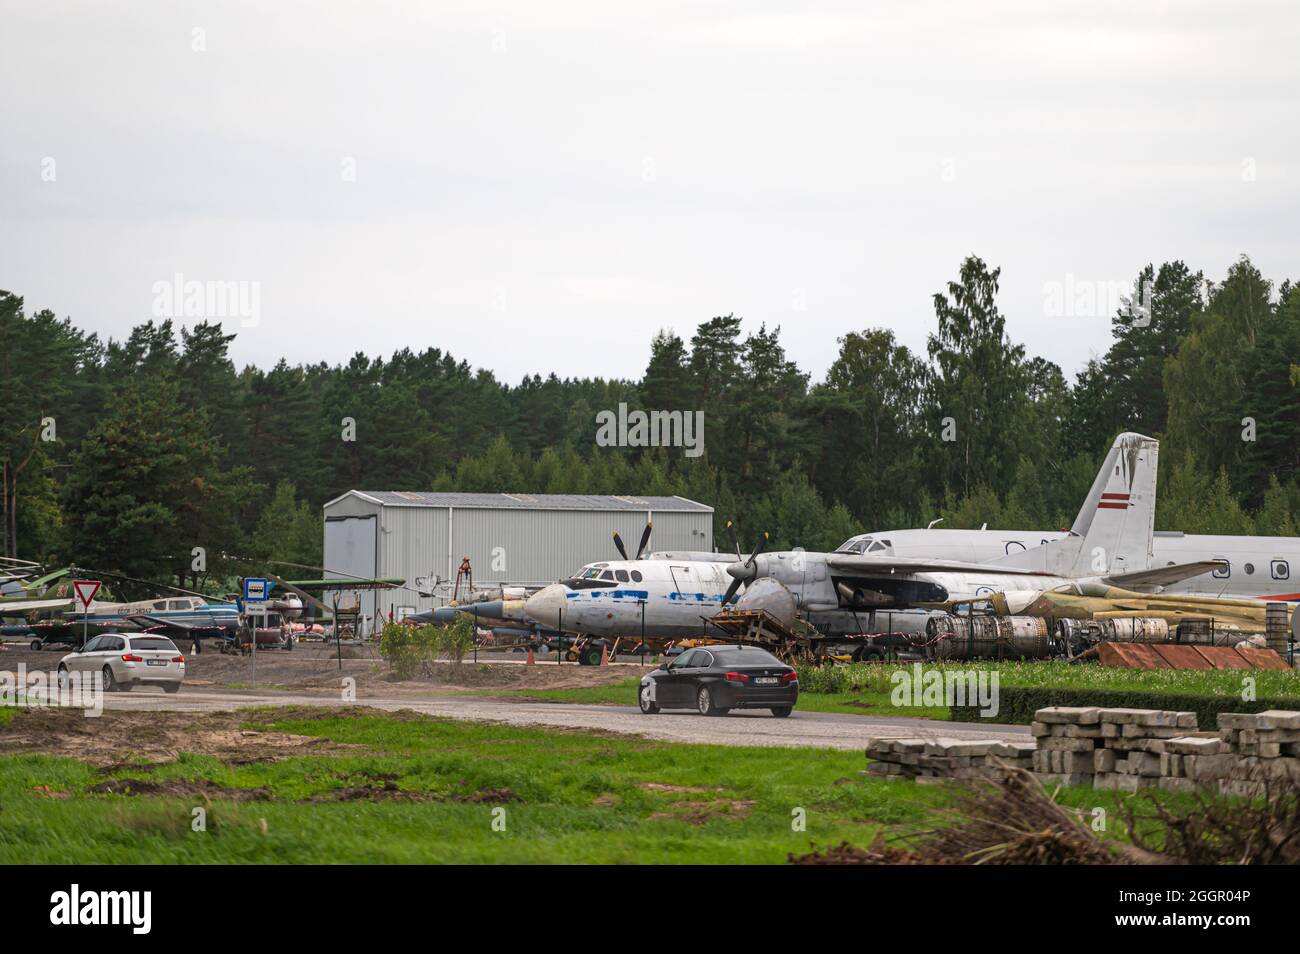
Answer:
(766, 680)
(157, 662)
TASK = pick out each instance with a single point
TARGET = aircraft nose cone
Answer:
(545, 605)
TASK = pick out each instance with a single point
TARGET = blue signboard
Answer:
(255, 590)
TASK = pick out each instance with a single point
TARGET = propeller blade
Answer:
(731, 591)
(618, 542)
(735, 544)
(762, 545)
(645, 538)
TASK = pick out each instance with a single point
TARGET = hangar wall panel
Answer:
(505, 544)
(350, 552)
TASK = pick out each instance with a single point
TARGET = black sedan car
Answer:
(717, 679)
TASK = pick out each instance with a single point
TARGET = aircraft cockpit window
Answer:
(622, 575)
(855, 545)
(160, 605)
(878, 545)
(608, 575)
(590, 573)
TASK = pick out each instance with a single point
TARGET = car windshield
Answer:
(736, 656)
(153, 642)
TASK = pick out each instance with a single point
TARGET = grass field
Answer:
(877, 678)
(865, 689)
(419, 789)
(567, 797)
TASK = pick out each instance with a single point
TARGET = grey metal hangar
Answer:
(525, 540)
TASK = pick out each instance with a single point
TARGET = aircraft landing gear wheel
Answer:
(647, 704)
(704, 702)
(782, 712)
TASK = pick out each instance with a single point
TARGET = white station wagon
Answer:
(125, 661)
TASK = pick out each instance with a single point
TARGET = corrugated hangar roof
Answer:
(415, 498)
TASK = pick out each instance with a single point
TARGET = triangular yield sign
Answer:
(85, 590)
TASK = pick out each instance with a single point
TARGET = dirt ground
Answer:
(314, 667)
(149, 739)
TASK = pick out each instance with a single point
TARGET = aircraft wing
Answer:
(865, 563)
(1164, 575)
(23, 606)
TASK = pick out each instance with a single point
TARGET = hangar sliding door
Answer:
(350, 544)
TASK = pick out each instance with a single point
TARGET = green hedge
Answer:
(1017, 705)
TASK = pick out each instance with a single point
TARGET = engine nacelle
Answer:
(772, 597)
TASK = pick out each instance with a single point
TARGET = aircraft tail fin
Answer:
(1113, 531)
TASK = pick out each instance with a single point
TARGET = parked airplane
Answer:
(665, 595)
(1252, 567)
(179, 616)
(839, 593)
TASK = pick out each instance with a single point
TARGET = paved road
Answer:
(812, 729)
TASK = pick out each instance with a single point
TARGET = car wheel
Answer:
(36, 644)
(64, 678)
(704, 702)
(107, 680)
(782, 711)
(170, 687)
(647, 704)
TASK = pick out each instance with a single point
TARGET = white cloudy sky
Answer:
(540, 186)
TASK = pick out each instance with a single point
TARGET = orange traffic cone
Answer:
(532, 658)
(604, 655)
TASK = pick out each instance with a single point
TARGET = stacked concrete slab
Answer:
(1117, 749)
(1120, 749)
(946, 758)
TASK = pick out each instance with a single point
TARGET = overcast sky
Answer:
(540, 186)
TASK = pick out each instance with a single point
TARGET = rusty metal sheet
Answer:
(1181, 657)
(1129, 656)
(1223, 657)
(1184, 656)
(1262, 658)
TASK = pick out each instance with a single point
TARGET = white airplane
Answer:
(1251, 567)
(845, 592)
(668, 598)
(665, 595)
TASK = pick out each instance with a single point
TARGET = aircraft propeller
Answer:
(640, 550)
(735, 544)
(739, 574)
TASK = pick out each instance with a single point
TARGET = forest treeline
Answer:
(127, 455)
